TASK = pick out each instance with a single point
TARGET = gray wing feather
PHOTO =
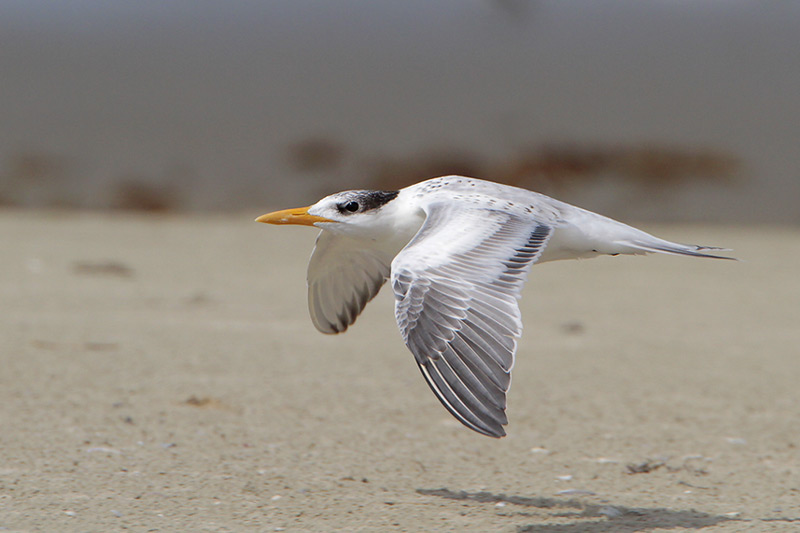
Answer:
(343, 276)
(456, 288)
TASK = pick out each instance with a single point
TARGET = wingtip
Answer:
(700, 250)
(495, 432)
(490, 428)
(692, 250)
(500, 433)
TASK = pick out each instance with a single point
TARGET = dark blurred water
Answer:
(245, 104)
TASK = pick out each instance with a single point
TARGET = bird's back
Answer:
(576, 232)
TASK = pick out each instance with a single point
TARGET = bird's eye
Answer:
(351, 206)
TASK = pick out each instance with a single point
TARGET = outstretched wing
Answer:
(343, 276)
(456, 288)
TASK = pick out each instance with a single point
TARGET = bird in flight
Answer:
(457, 251)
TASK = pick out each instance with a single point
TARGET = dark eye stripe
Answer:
(366, 201)
(375, 199)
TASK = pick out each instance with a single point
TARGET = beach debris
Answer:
(351, 478)
(692, 486)
(204, 402)
(603, 460)
(103, 449)
(575, 492)
(567, 477)
(610, 511)
(736, 441)
(540, 450)
(645, 467)
(687, 465)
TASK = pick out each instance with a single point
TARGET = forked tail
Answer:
(657, 245)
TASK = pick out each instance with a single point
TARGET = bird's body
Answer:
(457, 251)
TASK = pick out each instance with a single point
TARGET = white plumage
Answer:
(457, 251)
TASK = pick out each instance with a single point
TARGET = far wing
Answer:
(343, 276)
(456, 288)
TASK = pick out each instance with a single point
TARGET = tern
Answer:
(457, 251)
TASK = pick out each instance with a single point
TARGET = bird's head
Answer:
(350, 212)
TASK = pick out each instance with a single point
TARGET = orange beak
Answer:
(298, 215)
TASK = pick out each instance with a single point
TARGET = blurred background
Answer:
(663, 110)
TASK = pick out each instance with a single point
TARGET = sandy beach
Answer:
(160, 373)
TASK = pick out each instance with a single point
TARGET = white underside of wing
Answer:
(456, 286)
(343, 275)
